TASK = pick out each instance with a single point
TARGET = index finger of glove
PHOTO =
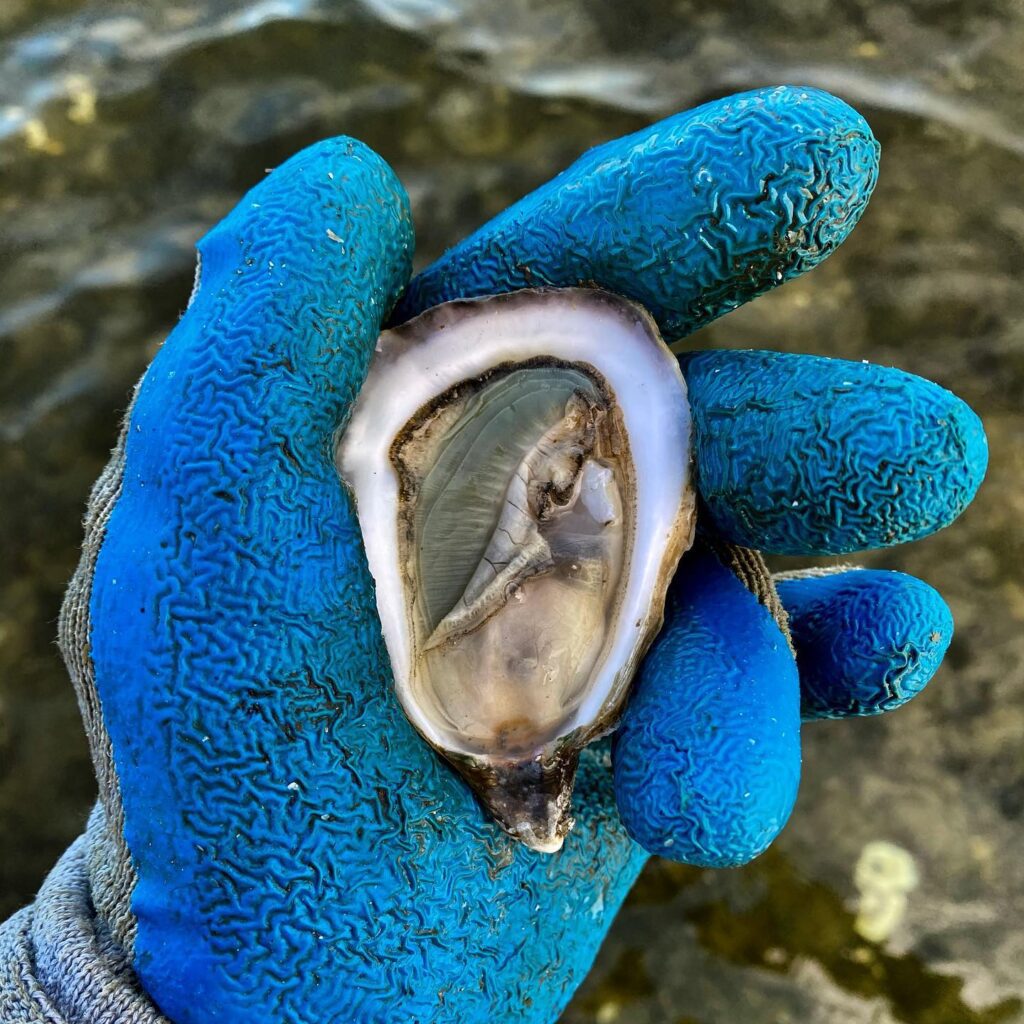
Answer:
(690, 217)
(291, 289)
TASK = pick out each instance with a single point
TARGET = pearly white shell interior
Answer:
(460, 342)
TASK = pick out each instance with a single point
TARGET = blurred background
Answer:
(896, 893)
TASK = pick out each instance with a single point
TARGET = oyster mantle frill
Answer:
(521, 471)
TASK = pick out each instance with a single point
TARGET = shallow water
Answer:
(127, 128)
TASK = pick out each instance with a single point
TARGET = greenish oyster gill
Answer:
(521, 471)
(513, 546)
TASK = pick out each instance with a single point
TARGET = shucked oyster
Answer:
(521, 470)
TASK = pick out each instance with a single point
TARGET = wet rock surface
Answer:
(126, 129)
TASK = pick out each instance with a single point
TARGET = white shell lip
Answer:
(463, 339)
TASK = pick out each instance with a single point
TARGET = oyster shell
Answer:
(521, 471)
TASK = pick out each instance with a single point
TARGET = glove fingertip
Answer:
(707, 760)
(800, 454)
(296, 225)
(690, 217)
(867, 640)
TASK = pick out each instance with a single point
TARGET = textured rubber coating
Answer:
(805, 455)
(302, 855)
(707, 760)
(866, 640)
(691, 217)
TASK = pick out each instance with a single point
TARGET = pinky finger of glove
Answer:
(707, 758)
(866, 640)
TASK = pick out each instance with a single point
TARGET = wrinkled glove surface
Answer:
(274, 843)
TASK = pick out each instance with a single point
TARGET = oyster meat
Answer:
(521, 471)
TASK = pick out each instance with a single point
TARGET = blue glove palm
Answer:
(298, 853)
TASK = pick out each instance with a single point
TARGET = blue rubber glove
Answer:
(295, 852)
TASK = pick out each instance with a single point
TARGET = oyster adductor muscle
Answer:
(521, 470)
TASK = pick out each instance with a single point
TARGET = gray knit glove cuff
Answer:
(67, 958)
(59, 962)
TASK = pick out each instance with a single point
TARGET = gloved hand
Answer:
(274, 842)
